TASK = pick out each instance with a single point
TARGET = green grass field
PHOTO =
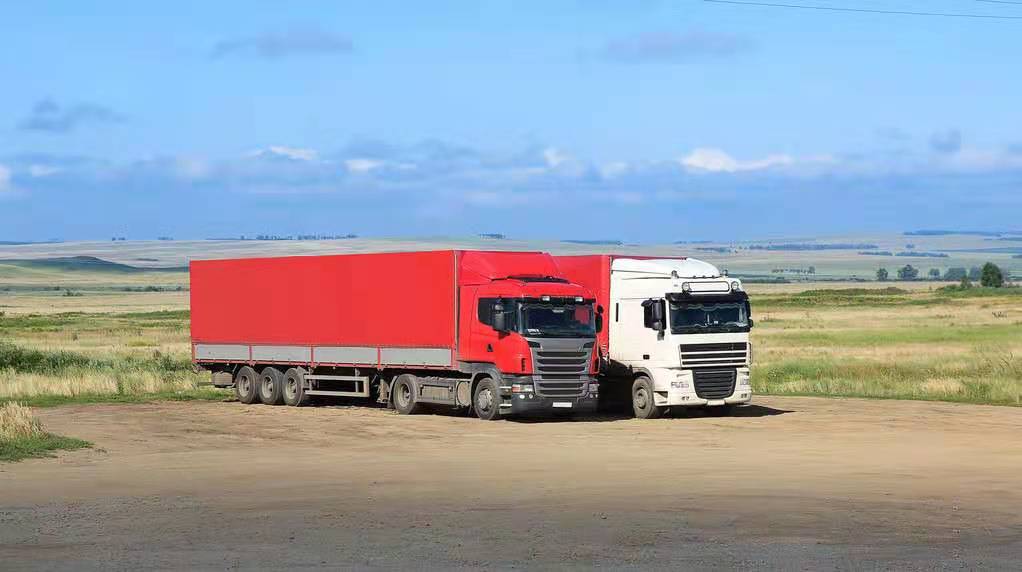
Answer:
(891, 343)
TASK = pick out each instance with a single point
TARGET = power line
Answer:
(866, 10)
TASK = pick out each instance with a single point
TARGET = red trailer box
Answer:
(499, 331)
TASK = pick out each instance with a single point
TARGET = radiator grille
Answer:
(561, 372)
(729, 354)
(714, 383)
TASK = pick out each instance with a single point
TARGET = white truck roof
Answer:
(667, 267)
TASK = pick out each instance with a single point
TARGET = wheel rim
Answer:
(404, 395)
(484, 401)
(245, 385)
(641, 398)
(267, 385)
(291, 388)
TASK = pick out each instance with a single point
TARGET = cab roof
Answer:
(666, 267)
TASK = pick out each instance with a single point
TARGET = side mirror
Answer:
(499, 318)
(599, 323)
(658, 312)
(751, 323)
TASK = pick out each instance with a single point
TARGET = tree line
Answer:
(989, 276)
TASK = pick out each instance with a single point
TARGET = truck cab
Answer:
(676, 335)
(680, 331)
(535, 332)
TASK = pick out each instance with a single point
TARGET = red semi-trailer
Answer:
(498, 332)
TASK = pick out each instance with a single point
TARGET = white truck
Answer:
(676, 335)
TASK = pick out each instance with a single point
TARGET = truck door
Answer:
(636, 342)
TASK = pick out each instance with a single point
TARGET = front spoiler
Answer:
(522, 404)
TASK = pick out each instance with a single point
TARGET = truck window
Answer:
(486, 310)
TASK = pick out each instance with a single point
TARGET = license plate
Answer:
(562, 404)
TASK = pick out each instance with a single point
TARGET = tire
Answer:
(486, 400)
(720, 410)
(403, 395)
(643, 403)
(246, 385)
(293, 388)
(271, 391)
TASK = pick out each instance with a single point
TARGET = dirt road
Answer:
(793, 483)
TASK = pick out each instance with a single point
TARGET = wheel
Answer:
(270, 386)
(246, 385)
(293, 387)
(642, 399)
(720, 410)
(486, 401)
(403, 395)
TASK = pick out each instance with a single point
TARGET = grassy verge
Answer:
(22, 435)
(996, 381)
(51, 377)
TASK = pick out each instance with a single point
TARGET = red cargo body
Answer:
(286, 308)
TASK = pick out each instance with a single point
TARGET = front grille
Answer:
(729, 354)
(549, 388)
(561, 372)
(714, 383)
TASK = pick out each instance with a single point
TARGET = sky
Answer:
(643, 121)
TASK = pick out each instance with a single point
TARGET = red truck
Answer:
(501, 333)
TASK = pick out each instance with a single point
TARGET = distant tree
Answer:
(908, 272)
(991, 276)
(975, 273)
(935, 274)
(965, 284)
(812, 270)
(882, 274)
(955, 274)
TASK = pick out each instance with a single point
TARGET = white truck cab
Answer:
(676, 331)
(680, 329)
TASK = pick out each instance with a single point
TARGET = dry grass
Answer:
(17, 422)
(22, 435)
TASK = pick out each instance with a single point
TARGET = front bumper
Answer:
(530, 403)
(676, 387)
(521, 404)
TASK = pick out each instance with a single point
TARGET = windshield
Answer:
(558, 320)
(691, 317)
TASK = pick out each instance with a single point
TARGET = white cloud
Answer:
(362, 165)
(614, 169)
(43, 170)
(717, 161)
(191, 168)
(554, 157)
(293, 153)
(5, 179)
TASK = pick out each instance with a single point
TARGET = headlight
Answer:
(736, 286)
(686, 287)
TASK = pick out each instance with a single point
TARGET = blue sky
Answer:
(646, 121)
